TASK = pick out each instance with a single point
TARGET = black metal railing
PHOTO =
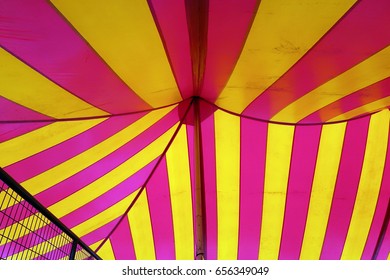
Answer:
(28, 231)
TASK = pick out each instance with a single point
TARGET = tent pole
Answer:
(199, 184)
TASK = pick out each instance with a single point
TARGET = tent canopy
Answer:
(226, 129)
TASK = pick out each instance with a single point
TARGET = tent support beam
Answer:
(199, 185)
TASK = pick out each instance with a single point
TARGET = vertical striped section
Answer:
(159, 199)
(129, 42)
(346, 188)
(227, 150)
(369, 186)
(209, 163)
(281, 34)
(303, 162)
(181, 196)
(141, 229)
(325, 175)
(122, 242)
(380, 211)
(253, 149)
(277, 167)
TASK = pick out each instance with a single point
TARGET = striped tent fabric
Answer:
(178, 128)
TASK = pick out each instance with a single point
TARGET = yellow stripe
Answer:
(180, 193)
(106, 252)
(279, 146)
(366, 73)
(141, 229)
(74, 165)
(104, 217)
(227, 149)
(379, 104)
(95, 245)
(41, 139)
(325, 175)
(369, 186)
(282, 32)
(111, 179)
(23, 85)
(126, 37)
(5, 198)
(388, 257)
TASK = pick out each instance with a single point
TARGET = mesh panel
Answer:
(26, 234)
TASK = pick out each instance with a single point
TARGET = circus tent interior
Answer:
(195, 129)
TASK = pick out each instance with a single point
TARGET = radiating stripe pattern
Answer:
(98, 122)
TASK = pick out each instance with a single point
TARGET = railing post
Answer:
(73, 250)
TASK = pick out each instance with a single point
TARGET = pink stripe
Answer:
(51, 46)
(122, 242)
(43, 161)
(228, 26)
(11, 111)
(346, 188)
(253, 152)
(352, 101)
(170, 16)
(12, 130)
(15, 112)
(303, 162)
(161, 213)
(99, 234)
(360, 34)
(109, 198)
(108, 163)
(380, 212)
(208, 139)
(385, 248)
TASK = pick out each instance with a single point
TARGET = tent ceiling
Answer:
(97, 121)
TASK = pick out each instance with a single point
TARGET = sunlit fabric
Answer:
(125, 119)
